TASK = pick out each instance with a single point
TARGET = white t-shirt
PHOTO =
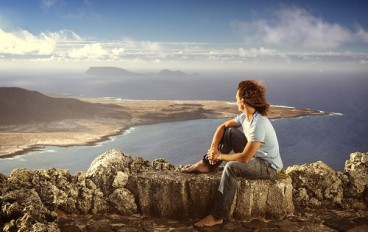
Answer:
(260, 129)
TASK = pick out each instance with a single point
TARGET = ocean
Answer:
(330, 139)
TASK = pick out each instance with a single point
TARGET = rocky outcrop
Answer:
(27, 201)
(169, 194)
(355, 178)
(117, 184)
(316, 185)
(184, 196)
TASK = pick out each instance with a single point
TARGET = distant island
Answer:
(120, 72)
(30, 120)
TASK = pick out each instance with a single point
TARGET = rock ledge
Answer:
(117, 184)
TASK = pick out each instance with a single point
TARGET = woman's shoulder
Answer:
(240, 118)
(259, 118)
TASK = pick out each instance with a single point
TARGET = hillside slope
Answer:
(19, 106)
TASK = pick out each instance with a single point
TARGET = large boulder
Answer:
(356, 169)
(123, 201)
(109, 172)
(176, 195)
(169, 194)
(355, 181)
(105, 167)
(315, 185)
(264, 198)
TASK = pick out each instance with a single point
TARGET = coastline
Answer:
(147, 112)
(40, 147)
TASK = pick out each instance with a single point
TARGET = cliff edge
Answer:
(125, 194)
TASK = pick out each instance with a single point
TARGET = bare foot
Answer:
(200, 166)
(209, 221)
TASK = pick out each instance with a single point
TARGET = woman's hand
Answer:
(213, 155)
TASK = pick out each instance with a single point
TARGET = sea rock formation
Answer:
(117, 184)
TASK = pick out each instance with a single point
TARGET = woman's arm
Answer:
(249, 151)
(220, 132)
(217, 139)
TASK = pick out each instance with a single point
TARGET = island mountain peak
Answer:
(167, 72)
(108, 71)
(120, 72)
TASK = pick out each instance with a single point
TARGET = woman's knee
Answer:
(229, 130)
(225, 145)
(229, 135)
(231, 167)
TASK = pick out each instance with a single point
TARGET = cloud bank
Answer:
(295, 28)
(292, 39)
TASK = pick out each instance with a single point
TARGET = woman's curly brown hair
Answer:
(254, 94)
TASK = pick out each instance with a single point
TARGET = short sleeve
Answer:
(257, 133)
(240, 119)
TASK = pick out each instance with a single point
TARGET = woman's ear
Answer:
(242, 100)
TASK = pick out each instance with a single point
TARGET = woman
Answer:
(256, 151)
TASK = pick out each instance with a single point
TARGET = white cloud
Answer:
(295, 27)
(256, 52)
(151, 46)
(65, 36)
(67, 48)
(117, 52)
(89, 51)
(362, 34)
(23, 42)
(142, 46)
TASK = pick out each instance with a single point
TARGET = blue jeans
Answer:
(256, 168)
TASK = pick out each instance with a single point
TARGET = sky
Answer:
(184, 34)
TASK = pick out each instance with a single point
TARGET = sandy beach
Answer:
(19, 139)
